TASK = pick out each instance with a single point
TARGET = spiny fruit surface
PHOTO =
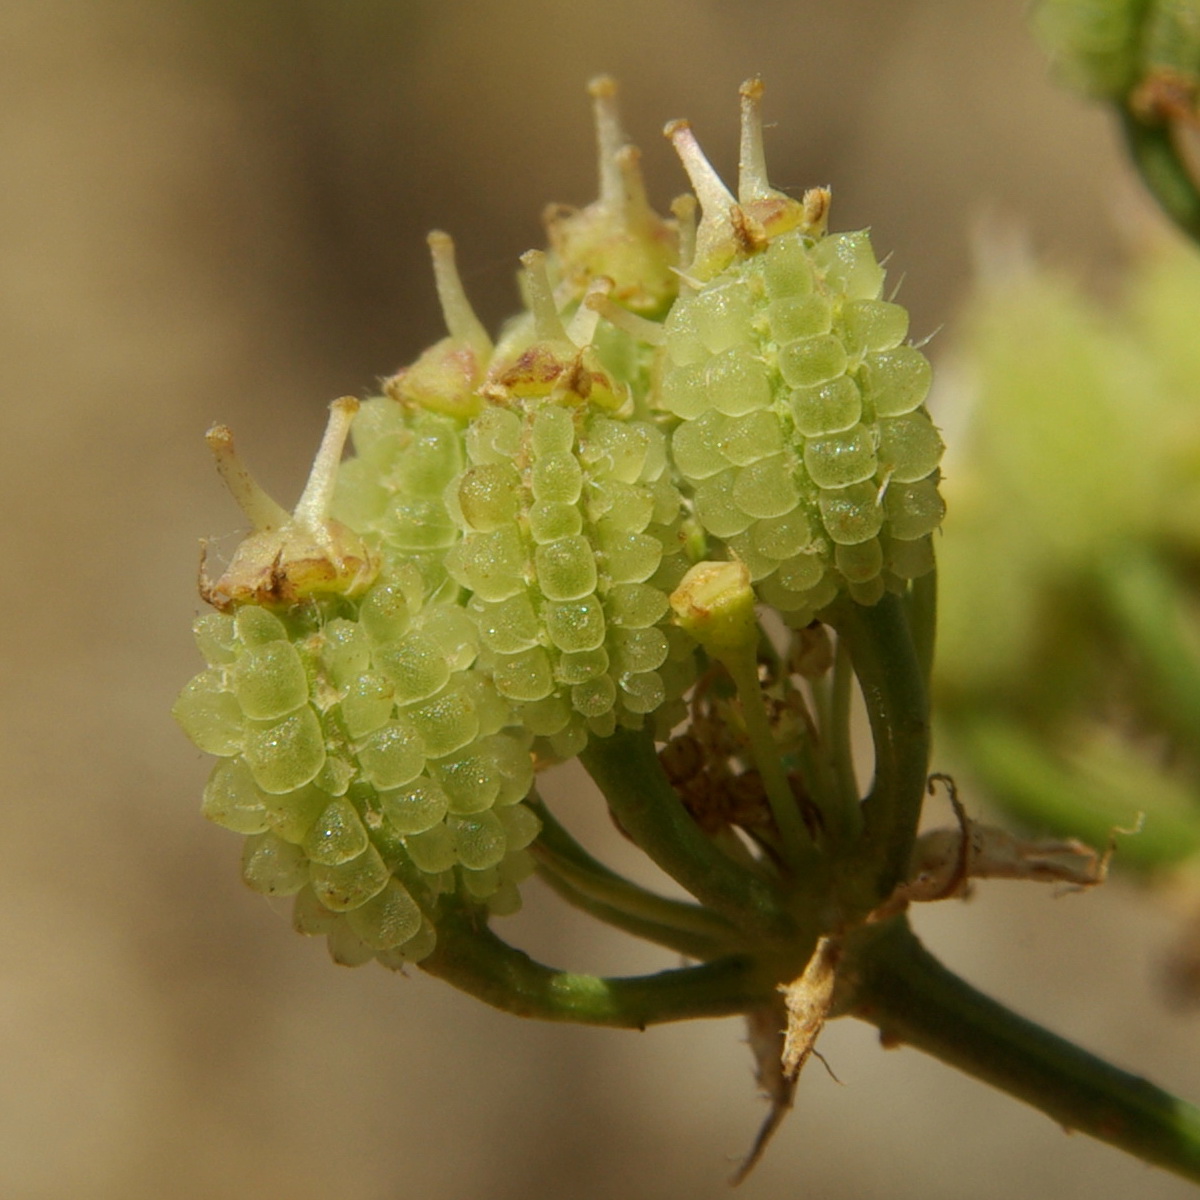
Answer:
(370, 763)
(802, 428)
(570, 548)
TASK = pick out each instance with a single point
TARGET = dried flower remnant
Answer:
(290, 555)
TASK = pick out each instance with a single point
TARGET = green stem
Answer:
(889, 673)
(690, 945)
(473, 959)
(816, 756)
(586, 882)
(898, 986)
(841, 742)
(922, 620)
(1154, 152)
(743, 670)
(628, 773)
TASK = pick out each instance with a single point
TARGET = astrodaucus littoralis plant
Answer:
(668, 523)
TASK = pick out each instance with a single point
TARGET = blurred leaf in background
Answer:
(1069, 657)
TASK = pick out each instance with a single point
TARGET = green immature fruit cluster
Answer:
(485, 584)
(370, 765)
(802, 432)
(571, 543)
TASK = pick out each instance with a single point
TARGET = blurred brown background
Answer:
(216, 209)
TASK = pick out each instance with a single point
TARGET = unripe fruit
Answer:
(353, 725)
(487, 581)
(375, 714)
(570, 540)
(799, 406)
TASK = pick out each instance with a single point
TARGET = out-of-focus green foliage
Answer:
(1069, 649)
(1093, 44)
(1106, 48)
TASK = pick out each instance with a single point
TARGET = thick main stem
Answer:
(898, 986)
